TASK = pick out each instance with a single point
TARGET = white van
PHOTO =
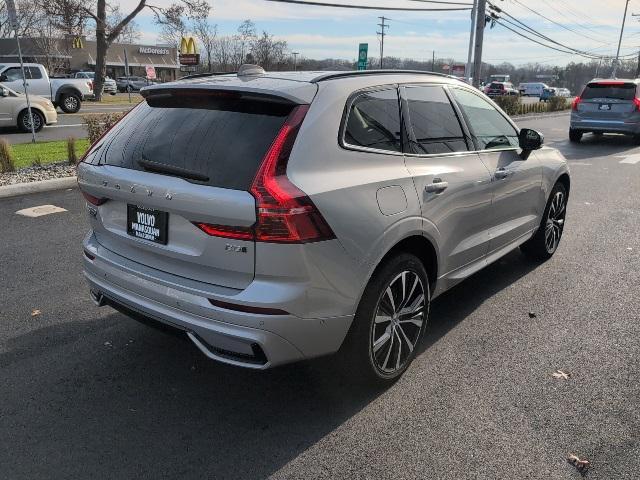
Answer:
(532, 89)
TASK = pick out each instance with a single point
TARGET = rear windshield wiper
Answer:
(172, 170)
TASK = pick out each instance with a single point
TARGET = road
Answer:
(88, 393)
(69, 124)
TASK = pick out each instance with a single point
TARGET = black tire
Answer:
(70, 103)
(359, 357)
(25, 125)
(539, 247)
(575, 135)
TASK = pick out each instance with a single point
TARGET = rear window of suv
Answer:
(220, 140)
(621, 91)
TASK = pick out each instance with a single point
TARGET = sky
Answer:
(323, 32)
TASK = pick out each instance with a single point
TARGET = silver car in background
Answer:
(276, 217)
(606, 106)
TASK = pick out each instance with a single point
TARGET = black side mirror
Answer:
(529, 140)
(3, 78)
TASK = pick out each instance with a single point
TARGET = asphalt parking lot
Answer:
(88, 393)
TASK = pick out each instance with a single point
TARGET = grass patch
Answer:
(26, 154)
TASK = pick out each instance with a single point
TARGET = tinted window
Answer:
(374, 121)
(33, 72)
(488, 126)
(433, 121)
(222, 139)
(497, 86)
(625, 91)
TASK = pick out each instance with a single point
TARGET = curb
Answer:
(540, 115)
(36, 187)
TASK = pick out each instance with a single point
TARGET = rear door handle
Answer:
(502, 173)
(436, 186)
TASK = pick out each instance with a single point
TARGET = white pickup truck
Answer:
(66, 93)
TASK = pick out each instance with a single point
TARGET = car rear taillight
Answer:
(90, 85)
(94, 200)
(237, 233)
(636, 102)
(575, 103)
(285, 214)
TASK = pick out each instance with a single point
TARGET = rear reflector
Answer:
(575, 103)
(247, 308)
(237, 233)
(94, 200)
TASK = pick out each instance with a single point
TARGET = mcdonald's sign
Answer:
(77, 43)
(188, 54)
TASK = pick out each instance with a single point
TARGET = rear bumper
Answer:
(613, 126)
(237, 338)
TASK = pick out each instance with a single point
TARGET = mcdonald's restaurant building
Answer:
(73, 54)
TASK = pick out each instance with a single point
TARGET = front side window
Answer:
(488, 127)
(433, 121)
(14, 74)
(374, 121)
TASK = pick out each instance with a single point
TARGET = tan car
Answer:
(13, 110)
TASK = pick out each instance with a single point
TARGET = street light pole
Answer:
(295, 60)
(474, 9)
(615, 62)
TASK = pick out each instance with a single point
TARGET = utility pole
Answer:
(433, 61)
(638, 67)
(295, 60)
(468, 70)
(615, 62)
(477, 56)
(382, 33)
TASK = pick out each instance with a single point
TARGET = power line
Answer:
(369, 7)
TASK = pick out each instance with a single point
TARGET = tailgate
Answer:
(175, 173)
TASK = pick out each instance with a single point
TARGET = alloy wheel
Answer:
(71, 103)
(398, 321)
(37, 121)
(555, 222)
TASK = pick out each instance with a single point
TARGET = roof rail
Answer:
(206, 74)
(355, 73)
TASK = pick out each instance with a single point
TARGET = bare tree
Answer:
(130, 33)
(28, 16)
(52, 45)
(206, 33)
(268, 52)
(242, 42)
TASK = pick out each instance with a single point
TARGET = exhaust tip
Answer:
(97, 298)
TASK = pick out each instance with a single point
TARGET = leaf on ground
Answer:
(35, 312)
(582, 465)
(532, 315)
(561, 374)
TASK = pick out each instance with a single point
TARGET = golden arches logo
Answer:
(77, 42)
(188, 46)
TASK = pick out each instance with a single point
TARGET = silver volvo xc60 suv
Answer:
(275, 217)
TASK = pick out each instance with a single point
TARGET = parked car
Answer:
(606, 106)
(532, 89)
(131, 83)
(66, 93)
(277, 217)
(109, 83)
(547, 93)
(496, 89)
(563, 92)
(14, 111)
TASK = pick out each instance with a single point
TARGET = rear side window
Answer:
(210, 140)
(434, 123)
(374, 121)
(33, 72)
(488, 126)
(623, 91)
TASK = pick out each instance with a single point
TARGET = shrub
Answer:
(72, 156)
(99, 123)
(557, 103)
(7, 161)
(509, 103)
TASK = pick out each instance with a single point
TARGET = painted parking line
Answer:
(40, 211)
(631, 159)
(67, 126)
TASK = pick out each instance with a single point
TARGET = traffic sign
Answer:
(363, 51)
